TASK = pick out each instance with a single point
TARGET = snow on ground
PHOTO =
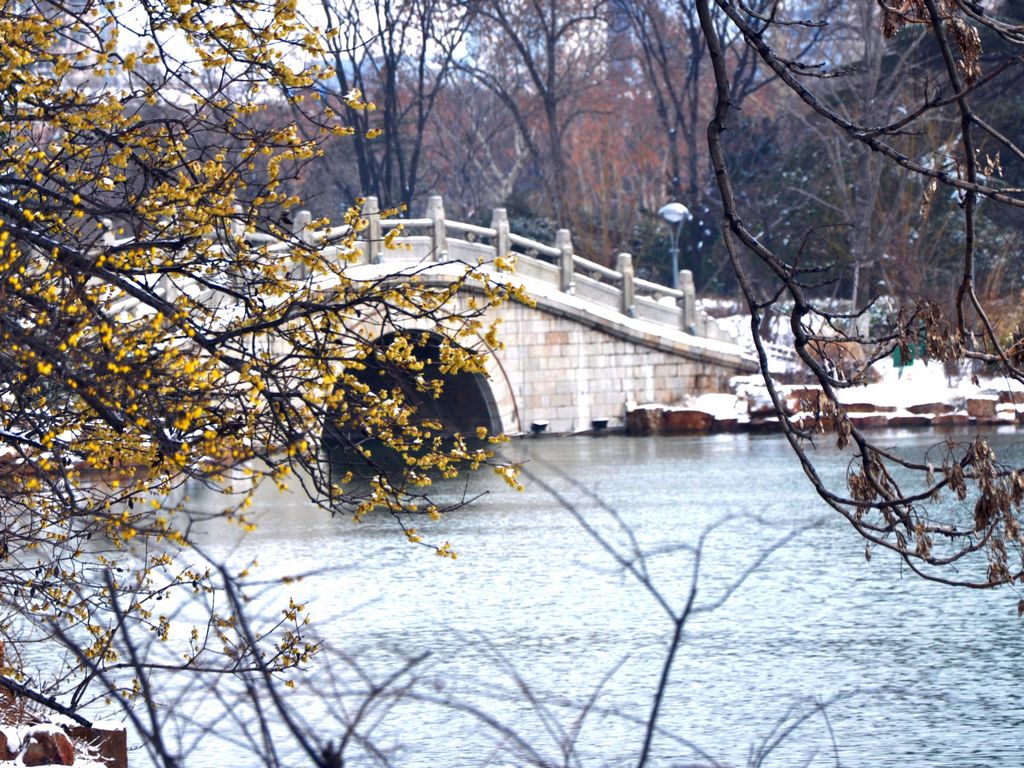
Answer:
(922, 383)
(919, 394)
(720, 405)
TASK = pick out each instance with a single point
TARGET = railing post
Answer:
(499, 222)
(439, 239)
(300, 227)
(624, 265)
(302, 232)
(688, 302)
(108, 238)
(236, 231)
(236, 227)
(563, 241)
(372, 234)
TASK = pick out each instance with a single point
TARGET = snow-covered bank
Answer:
(918, 395)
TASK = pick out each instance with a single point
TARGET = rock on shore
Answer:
(920, 395)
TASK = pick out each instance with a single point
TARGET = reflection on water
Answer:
(360, 459)
(921, 674)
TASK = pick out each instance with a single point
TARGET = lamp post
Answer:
(675, 214)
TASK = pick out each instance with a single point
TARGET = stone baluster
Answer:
(301, 230)
(624, 265)
(688, 302)
(300, 227)
(236, 226)
(235, 239)
(165, 286)
(372, 235)
(563, 241)
(499, 223)
(108, 232)
(438, 236)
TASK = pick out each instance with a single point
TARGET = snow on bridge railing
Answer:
(434, 237)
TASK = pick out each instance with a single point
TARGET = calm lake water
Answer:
(535, 638)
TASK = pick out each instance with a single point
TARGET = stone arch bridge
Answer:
(595, 341)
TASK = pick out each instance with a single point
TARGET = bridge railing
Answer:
(435, 237)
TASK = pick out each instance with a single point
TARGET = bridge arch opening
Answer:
(465, 401)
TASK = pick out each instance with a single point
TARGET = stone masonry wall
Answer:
(567, 361)
(568, 373)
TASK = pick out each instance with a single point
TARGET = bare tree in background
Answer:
(397, 55)
(542, 61)
(673, 62)
(887, 226)
(477, 155)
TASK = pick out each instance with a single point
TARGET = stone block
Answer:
(553, 362)
(762, 410)
(6, 753)
(643, 420)
(684, 421)
(110, 747)
(869, 420)
(868, 408)
(909, 420)
(932, 408)
(951, 419)
(981, 407)
(566, 412)
(765, 425)
(47, 746)
(731, 424)
(568, 384)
